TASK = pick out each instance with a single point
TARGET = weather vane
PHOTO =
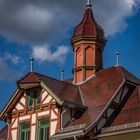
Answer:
(31, 64)
(117, 58)
(88, 3)
(62, 74)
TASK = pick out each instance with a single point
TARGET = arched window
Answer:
(43, 129)
(24, 131)
(79, 57)
(89, 56)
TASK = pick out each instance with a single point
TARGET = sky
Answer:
(42, 29)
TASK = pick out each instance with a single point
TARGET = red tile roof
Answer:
(64, 90)
(4, 133)
(131, 111)
(95, 93)
(99, 90)
(88, 26)
(31, 77)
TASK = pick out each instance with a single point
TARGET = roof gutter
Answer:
(68, 135)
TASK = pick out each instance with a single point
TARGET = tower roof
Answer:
(88, 26)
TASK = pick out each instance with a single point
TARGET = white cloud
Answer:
(6, 73)
(113, 15)
(38, 22)
(44, 53)
(13, 58)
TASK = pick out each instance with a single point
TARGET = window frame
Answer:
(35, 100)
(44, 126)
(28, 102)
(26, 131)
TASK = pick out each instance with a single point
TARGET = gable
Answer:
(20, 113)
(22, 106)
(18, 102)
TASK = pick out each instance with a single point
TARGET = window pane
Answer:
(41, 134)
(24, 131)
(25, 126)
(37, 101)
(44, 122)
(22, 135)
(28, 135)
(29, 102)
(43, 129)
(46, 133)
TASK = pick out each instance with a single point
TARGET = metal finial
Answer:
(31, 64)
(88, 3)
(117, 58)
(62, 74)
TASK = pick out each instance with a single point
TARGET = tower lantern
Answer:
(88, 43)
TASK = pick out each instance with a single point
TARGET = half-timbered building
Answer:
(97, 104)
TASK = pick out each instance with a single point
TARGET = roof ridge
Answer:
(55, 79)
(120, 68)
(94, 75)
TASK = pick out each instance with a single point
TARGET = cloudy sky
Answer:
(42, 29)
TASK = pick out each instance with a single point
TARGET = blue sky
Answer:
(42, 29)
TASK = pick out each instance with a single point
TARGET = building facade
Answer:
(97, 104)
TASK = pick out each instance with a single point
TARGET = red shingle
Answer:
(64, 90)
(88, 26)
(98, 91)
(4, 133)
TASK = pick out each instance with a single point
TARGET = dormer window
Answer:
(33, 97)
(29, 102)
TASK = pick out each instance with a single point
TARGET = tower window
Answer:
(24, 131)
(43, 129)
(79, 57)
(89, 58)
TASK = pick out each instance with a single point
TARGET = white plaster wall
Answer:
(33, 118)
(15, 124)
(14, 134)
(53, 115)
(44, 94)
(24, 117)
(47, 100)
(19, 107)
(22, 100)
(53, 127)
(43, 113)
(33, 132)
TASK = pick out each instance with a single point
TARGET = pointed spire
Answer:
(88, 4)
(88, 26)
